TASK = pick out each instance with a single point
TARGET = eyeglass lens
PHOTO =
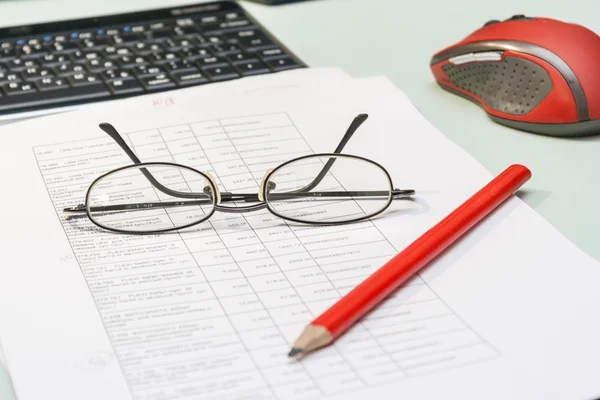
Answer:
(152, 197)
(352, 189)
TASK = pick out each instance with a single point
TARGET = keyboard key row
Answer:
(128, 58)
(95, 63)
(181, 27)
(172, 38)
(150, 78)
(249, 39)
(246, 64)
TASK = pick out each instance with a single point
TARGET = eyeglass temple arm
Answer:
(356, 123)
(112, 132)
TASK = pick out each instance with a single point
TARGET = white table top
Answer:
(397, 38)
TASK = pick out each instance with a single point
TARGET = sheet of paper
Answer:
(210, 313)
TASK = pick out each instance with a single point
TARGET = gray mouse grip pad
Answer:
(513, 86)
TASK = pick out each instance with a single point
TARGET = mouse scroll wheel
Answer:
(491, 22)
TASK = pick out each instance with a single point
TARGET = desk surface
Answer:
(397, 38)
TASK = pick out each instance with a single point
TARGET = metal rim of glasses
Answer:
(258, 198)
(263, 204)
(330, 155)
(141, 166)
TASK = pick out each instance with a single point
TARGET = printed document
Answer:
(210, 312)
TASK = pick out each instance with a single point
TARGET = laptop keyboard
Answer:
(78, 61)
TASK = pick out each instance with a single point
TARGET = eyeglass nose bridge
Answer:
(217, 191)
(243, 209)
(261, 189)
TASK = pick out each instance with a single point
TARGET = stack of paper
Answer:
(508, 312)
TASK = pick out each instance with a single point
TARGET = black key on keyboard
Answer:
(113, 52)
(281, 63)
(19, 64)
(183, 31)
(224, 23)
(6, 77)
(214, 39)
(234, 24)
(157, 26)
(132, 61)
(271, 52)
(157, 81)
(251, 39)
(99, 65)
(84, 79)
(196, 53)
(220, 73)
(51, 83)
(211, 61)
(32, 74)
(117, 74)
(7, 54)
(251, 67)
(126, 38)
(177, 44)
(162, 58)
(69, 69)
(32, 51)
(189, 77)
(225, 49)
(18, 88)
(84, 56)
(157, 35)
(233, 15)
(242, 57)
(63, 47)
(97, 43)
(227, 25)
(144, 70)
(51, 60)
(125, 86)
(184, 65)
(144, 48)
(207, 22)
(202, 41)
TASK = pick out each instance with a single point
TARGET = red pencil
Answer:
(343, 314)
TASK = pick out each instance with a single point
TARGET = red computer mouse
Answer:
(535, 74)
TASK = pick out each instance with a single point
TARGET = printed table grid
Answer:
(210, 312)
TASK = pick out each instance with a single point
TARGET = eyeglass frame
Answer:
(261, 196)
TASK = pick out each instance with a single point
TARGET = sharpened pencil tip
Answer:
(295, 352)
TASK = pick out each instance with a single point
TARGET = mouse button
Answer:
(520, 17)
(474, 57)
(491, 22)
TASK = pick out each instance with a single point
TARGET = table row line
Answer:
(291, 256)
(260, 317)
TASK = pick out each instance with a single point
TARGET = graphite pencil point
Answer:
(295, 352)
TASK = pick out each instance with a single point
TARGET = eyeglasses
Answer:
(319, 189)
